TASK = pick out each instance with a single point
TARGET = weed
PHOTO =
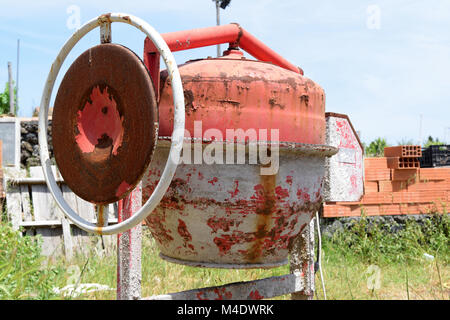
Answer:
(375, 241)
(22, 275)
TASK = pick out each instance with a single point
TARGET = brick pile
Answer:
(390, 189)
(403, 157)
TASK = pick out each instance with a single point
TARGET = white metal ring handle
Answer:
(177, 135)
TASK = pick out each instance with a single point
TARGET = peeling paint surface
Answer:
(235, 92)
(99, 123)
(242, 218)
(344, 179)
(249, 290)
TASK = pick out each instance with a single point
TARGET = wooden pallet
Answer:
(31, 208)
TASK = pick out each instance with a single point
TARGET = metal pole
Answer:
(302, 261)
(129, 246)
(105, 32)
(420, 130)
(17, 71)
(229, 33)
(218, 23)
(11, 89)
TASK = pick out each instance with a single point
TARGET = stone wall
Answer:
(392, 224)
(29, 145)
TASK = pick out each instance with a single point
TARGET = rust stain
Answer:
(98, 230)
(273, 103)
(185, 234)
(304, 99)
(232, 102)
(222, 294)
(254, 295)
(156, 222)
(189, 101)
(222, 223)
(100, 216)
(183, 231)
(105, 18)
(264, 216)
(240, 33)
(236, 189)
(200, 295)
(303, 194)
(289, 180)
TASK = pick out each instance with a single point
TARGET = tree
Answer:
(430, 141)
(376, 148)
(4, 100)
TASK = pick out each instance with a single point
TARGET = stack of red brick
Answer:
(394, 187)
(403, 157)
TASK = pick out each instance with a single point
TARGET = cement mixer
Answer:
(224, 213)
(230, 150)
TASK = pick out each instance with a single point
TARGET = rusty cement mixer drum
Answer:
(236, 215)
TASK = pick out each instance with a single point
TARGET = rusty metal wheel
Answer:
(105, 123)
(93, 147)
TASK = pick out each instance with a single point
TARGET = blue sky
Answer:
(384, 63)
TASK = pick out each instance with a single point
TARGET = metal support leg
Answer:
(129, 249)
(302, 261)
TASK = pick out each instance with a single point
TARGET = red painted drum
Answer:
(252, 166)
(105, 123)
(232, 92)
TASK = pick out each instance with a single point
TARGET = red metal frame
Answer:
(232, 33)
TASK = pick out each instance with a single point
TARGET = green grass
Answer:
(348, 259)
(404, 270)
(347, 276)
